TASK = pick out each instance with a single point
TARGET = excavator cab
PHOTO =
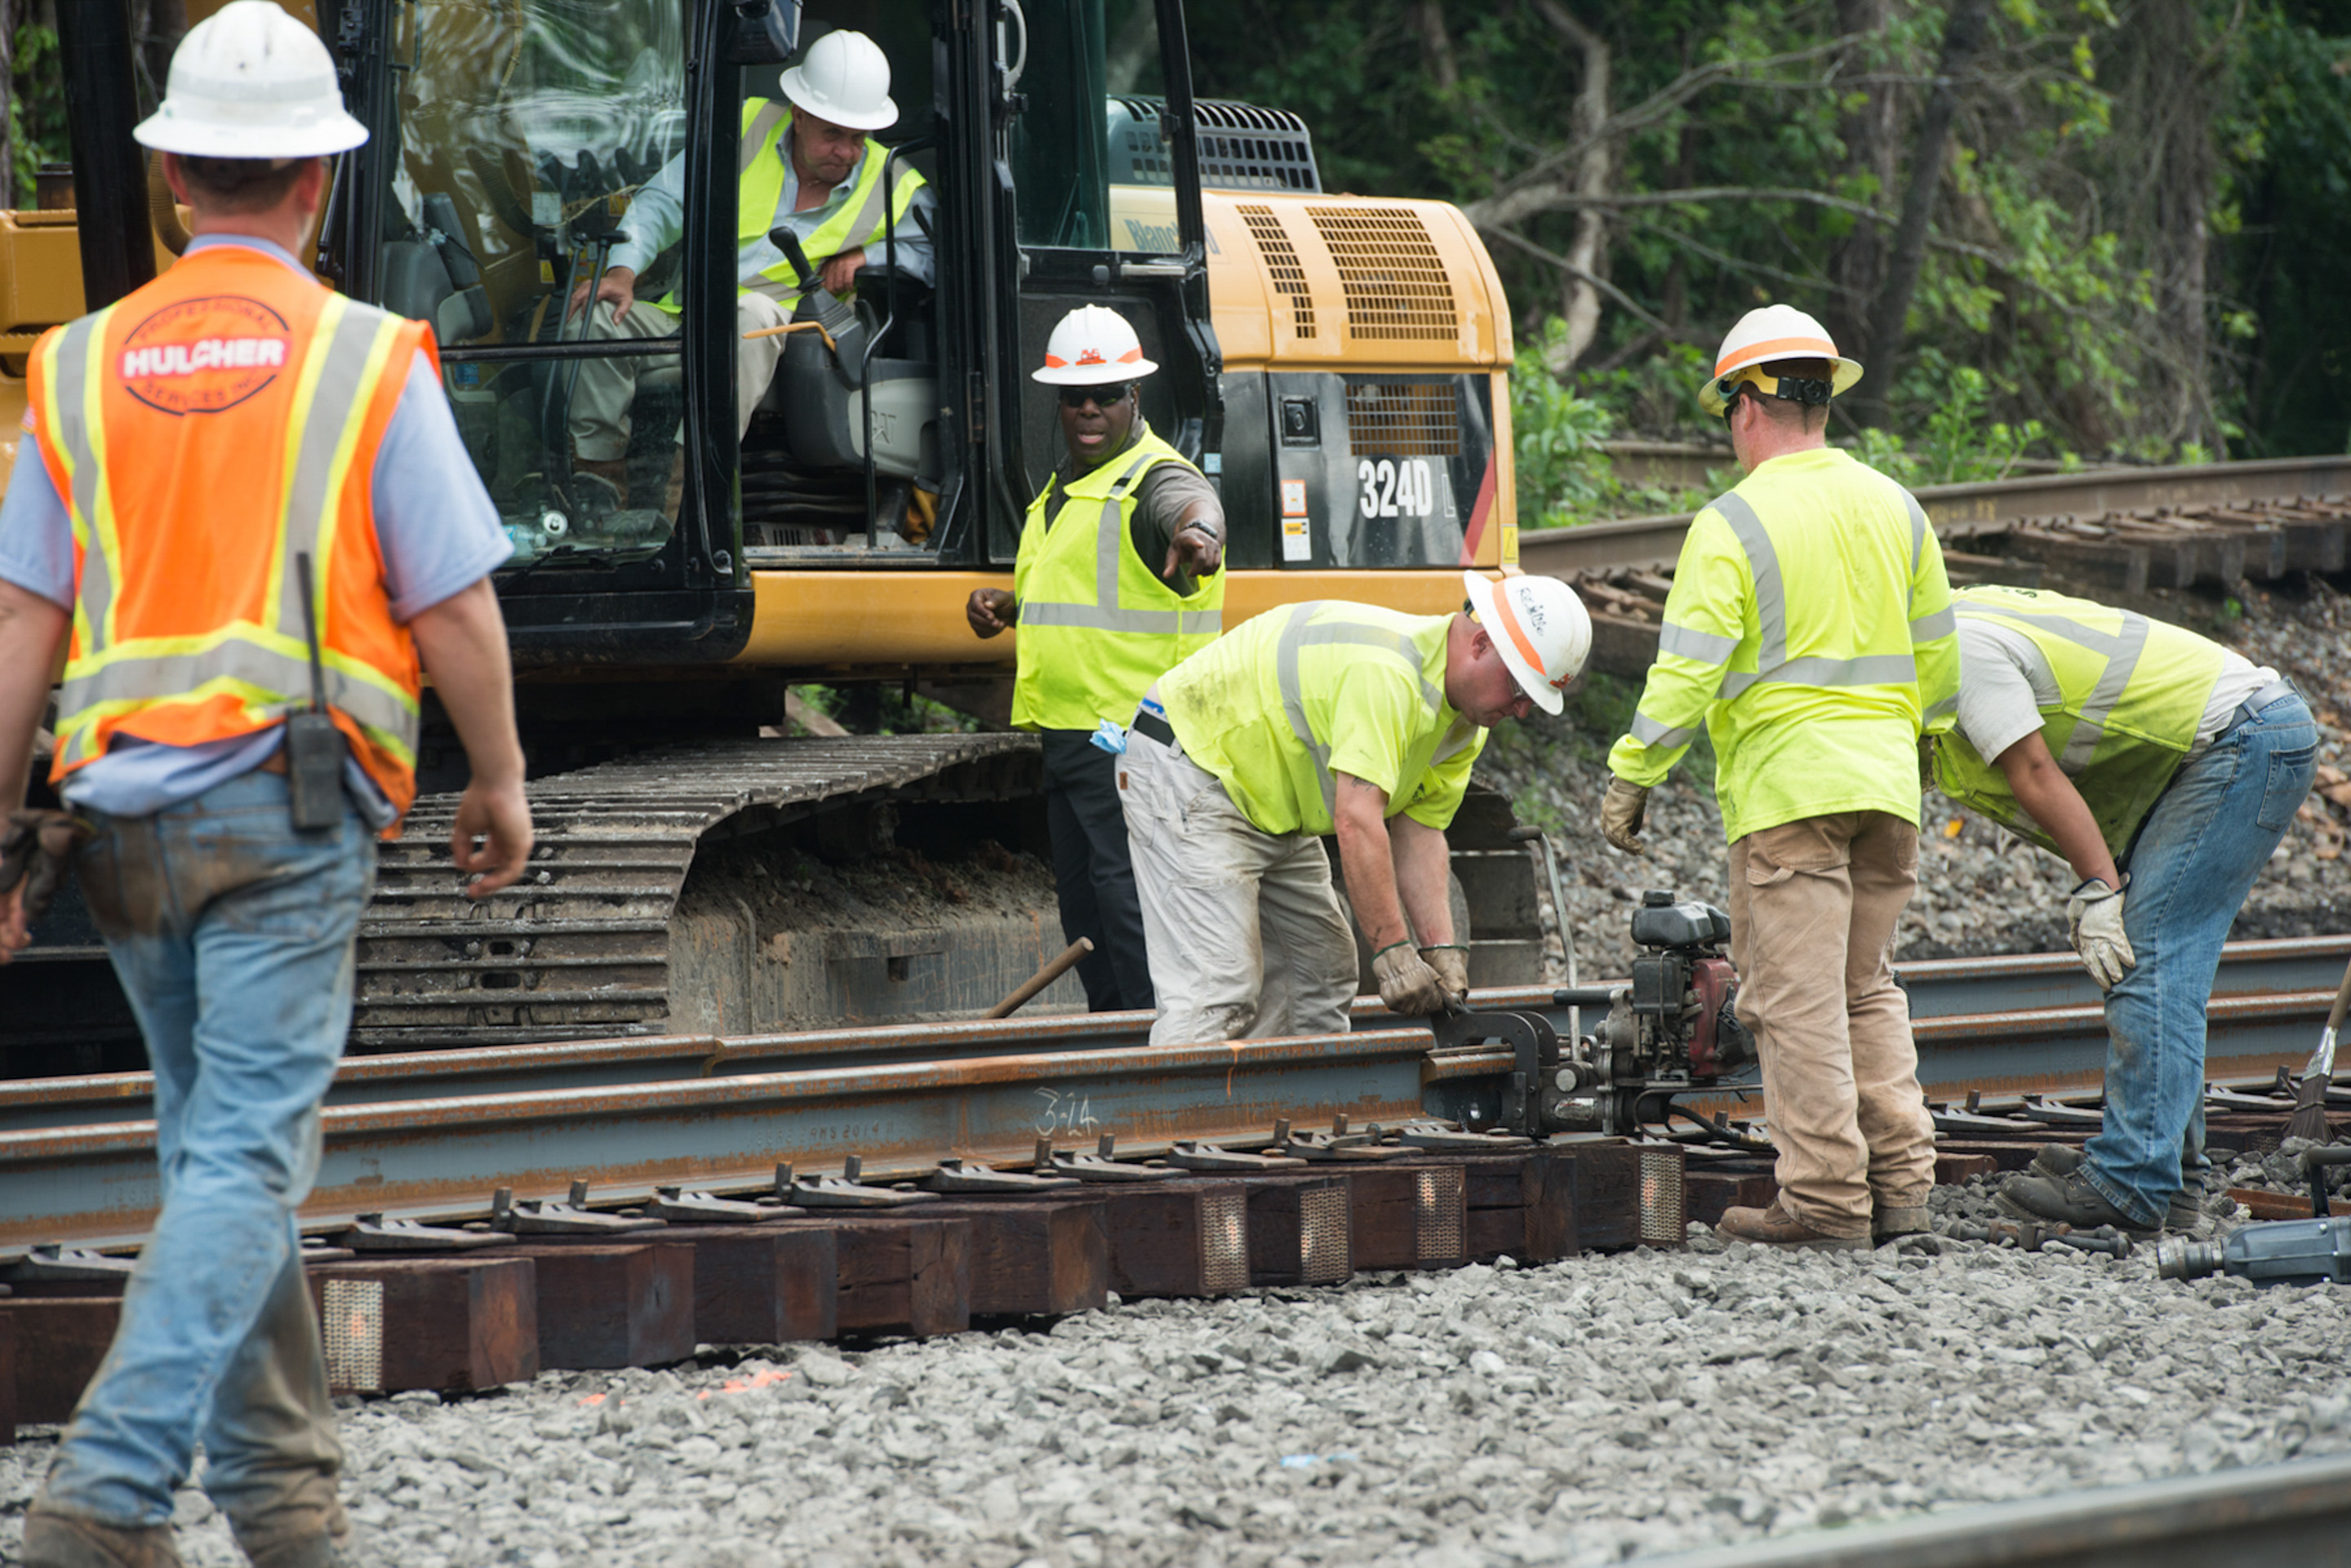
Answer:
(514, 150)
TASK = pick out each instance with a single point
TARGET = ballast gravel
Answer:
(1585, 1412)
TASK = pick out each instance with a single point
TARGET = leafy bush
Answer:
(1563, 476)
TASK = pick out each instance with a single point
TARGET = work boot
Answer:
(297, 1538)
(69, 1541)
(2184, 1212)
(1775, 1227)
(1892, 1223)
(2071, 1200)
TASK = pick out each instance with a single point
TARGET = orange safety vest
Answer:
(203, 432)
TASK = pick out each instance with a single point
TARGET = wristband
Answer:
(1390, 948)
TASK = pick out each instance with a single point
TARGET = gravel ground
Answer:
(1580, 1412)
(1980, 890)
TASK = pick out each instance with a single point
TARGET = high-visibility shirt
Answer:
(1097, 625)
(1810, 629)
(863, 220)
(2130, 695)
(203, 433)
(1299, 695)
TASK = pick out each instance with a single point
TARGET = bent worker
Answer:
(2164, 768)
(227, 468)
(1810, 629)
(1319, 718)
(1117, 579)
(810, 168)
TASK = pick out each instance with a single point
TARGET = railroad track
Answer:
(430, 1135)
(2258, 1517)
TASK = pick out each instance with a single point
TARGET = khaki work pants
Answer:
(601, 398)
(1814, 905)
(1246, 937)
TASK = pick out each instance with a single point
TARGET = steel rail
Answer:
(422, 1158)
(1957, 509)
(1989, 991)
(2298, 1512)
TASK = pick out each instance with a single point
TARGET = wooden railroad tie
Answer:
(454, 1325)
(611, 1304)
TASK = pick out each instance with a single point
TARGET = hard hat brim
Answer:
(1483, 591)
(796, 88)
(168, 132)
(1847, 373)
(1094, 375)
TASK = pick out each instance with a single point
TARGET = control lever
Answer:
(838, 318)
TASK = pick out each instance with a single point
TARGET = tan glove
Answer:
(1407, 984)
(36, 848)
(2094, 919)
(1621, 811)
(1451, 963)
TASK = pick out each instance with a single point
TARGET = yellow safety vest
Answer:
(1810, 629)
(1301, 694)
(859, 223)
(1097, 626)
(2131, 694)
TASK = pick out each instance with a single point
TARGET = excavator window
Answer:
(526, 131)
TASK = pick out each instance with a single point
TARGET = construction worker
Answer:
(811, 169)
(1116, 579)
(1318, 718)
(1810, 628)
(2164, 768)
(227, 470)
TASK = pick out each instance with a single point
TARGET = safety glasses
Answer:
(1100, 397)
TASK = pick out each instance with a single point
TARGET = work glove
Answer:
(36, 848)
(1407, 984)
(2094, 919)
(1451, 963)
(1620, 812)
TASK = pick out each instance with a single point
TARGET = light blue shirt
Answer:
(435, 525)
(657, 217)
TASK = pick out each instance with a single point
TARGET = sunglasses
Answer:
(1100, 397)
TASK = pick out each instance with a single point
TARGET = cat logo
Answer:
(202, 356)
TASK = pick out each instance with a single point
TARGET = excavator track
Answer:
(580, 947)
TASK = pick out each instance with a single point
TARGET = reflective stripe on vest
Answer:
(265, 667)
(760, 189)
(1097, 626)
(1772, 660)
(2134, 695)
(1297, 635)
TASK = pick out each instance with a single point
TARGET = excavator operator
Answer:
(813, 168)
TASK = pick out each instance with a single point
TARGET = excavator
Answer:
(1335, 364)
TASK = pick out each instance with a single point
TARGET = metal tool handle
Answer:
(1061, 965)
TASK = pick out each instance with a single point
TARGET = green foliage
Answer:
(1958, 445)
(37, 109)
(1563, 476)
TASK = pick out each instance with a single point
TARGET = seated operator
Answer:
(811, 169)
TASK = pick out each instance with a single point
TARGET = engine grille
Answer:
(1404, 419)
(1282, 265)
(1396, 282)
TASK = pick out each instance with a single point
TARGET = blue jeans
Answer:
(2206, 841)
(233, 935)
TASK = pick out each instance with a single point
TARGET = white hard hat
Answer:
(1092, 346)
(1773, 332)
(845, 78)
(250, 82)
(1540, 629)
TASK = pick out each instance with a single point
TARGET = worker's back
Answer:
(1805, 588)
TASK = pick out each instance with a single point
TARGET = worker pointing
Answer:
(1317, 718)
(1117, 579)
(2164, 768)
(1810, 630)
(246, 512)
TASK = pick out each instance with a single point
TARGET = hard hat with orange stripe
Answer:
(1540, 629)
(1764, 336)
(1092, 346)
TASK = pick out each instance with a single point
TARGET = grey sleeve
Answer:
(1996, 704)
(1167, 493)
